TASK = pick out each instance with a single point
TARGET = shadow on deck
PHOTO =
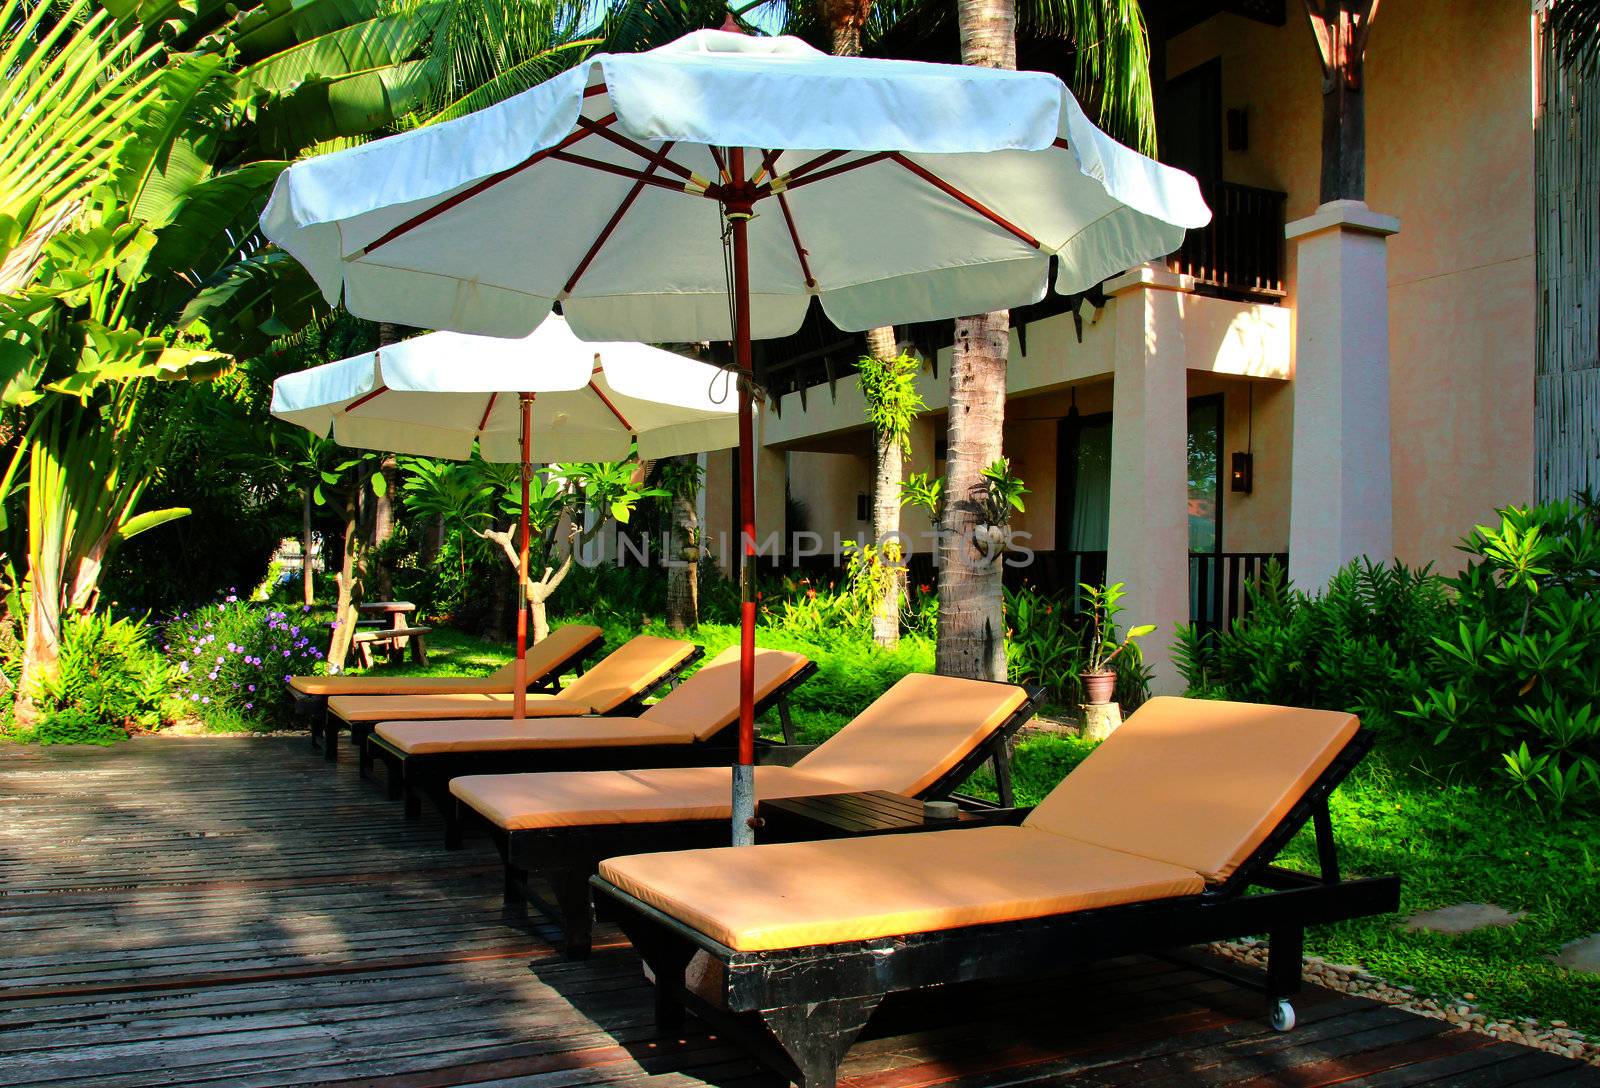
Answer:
(237, 912)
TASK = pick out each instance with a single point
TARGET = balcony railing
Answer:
(1239, 254)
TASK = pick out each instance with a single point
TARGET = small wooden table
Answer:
(847, 815)
(393, 632)
(394, 611)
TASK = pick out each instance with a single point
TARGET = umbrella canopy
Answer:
(710, 189)
(893, 191)
(437, 394)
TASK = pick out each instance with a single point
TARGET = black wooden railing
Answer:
(1239, 254)
(1219, 583)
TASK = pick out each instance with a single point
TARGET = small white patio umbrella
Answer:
(709, 189)
(437, 395)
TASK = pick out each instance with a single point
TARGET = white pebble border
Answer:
(1553, 1036)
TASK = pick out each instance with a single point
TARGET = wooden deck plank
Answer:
(239, 914)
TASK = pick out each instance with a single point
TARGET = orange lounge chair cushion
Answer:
(505, 735)
(708, 702)
(1195, 782)
(701, 707)
(635, 667)
(914, 733)
(553, 652)
(377, 708)
(522, 802)
(792, 895)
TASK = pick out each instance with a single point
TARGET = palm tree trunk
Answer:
(845, 18)
(308, 575)
(971, 621)
(683, 575)
(887, 463)
(971, 624)
(383, 506)
(41, 653)
(344, 611)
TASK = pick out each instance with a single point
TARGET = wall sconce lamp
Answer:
(1242, 477)
(1242, 474)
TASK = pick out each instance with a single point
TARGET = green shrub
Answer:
(1047, 644)
(1359, 645)
(231, 660)
(109, 680)
(1516, 677)
(1497, 669)
(74, 725)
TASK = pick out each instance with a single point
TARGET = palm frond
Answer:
(1575, 26)
(68, 93)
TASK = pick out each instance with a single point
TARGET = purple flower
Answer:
(250, 687)
(207, 699)
(249, 706)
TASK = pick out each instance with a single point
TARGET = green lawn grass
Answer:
(1450, 840)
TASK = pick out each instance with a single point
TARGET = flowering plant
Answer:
(231, 659)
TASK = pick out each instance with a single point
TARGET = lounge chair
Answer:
(1150, 843)
(562, 651)
(688, 727)
(618, 683)
(923, 738)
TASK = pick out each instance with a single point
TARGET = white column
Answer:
(1340, 503)
(1148, 544)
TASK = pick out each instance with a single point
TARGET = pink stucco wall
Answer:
(1450, 152)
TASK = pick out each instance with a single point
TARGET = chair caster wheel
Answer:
(1282, 1018)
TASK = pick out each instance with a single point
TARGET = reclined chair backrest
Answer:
(549, 652)
(708, 702)
(1195, 782)
(632, 669)
(915, 733)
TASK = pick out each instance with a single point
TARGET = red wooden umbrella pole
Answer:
(737, 206)
(519, 677)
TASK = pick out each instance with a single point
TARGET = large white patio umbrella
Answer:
(439, 394)
(709, 189)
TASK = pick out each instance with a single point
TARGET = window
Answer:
(1205, 463)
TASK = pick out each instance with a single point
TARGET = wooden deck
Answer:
(237, 912)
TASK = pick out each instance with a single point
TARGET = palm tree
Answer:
(1111, 74)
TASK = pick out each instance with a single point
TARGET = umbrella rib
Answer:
(364, 398)
(812, 164)
(835, 171)
(794, 236)
(978, 206)
(487, 408)
(624, 171)
(659, 158)
(473, 190)
(622, 419)
(637, 148)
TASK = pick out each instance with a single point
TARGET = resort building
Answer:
(1305, 379)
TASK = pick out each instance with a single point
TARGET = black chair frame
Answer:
(324, 728)
(799, 1010)
(361, 732)
(566, 857)
(427, 775)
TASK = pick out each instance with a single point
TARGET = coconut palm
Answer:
(1111, 75)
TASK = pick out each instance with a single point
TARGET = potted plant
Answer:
(1105, 645)
(1003, 495)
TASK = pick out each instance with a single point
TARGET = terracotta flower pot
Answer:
(1098, 687)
